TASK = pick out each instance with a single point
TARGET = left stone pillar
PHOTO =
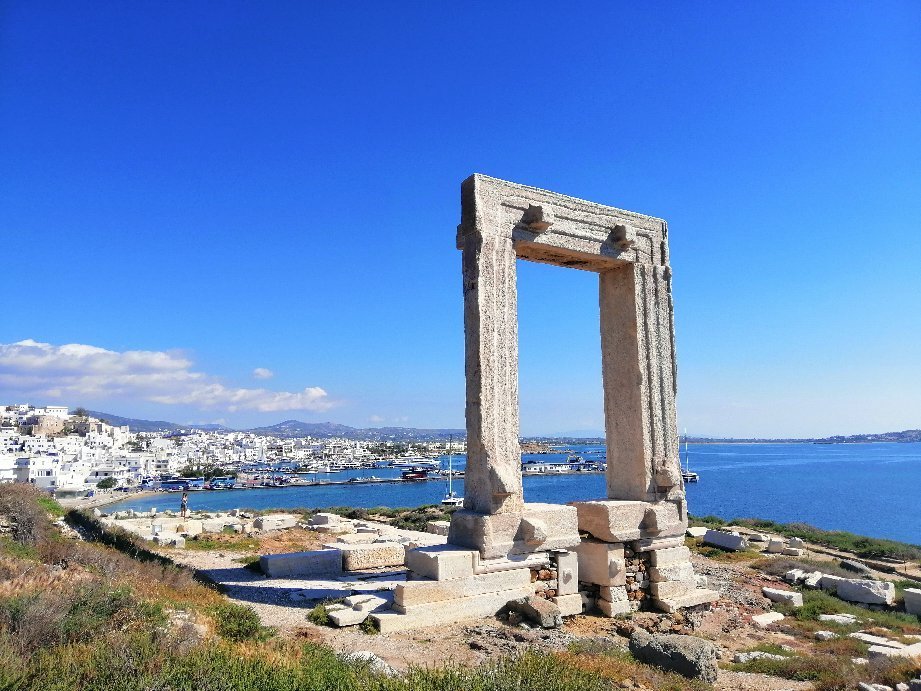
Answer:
(495, 520)
(492, 479)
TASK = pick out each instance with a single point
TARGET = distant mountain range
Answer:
(296, 428)
(292, 429)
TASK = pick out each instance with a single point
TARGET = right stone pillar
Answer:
(638, 373)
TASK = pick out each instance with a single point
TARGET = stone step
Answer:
(420, 592)
(447, 611)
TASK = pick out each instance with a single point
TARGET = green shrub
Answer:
(319, 616)
(238, 622)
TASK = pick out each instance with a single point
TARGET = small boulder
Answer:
(789, 597)
(687, 655)
(825, 635)
(542, 612)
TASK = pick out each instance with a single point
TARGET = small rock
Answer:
(915, 684)
(825, 635)
(375, 663)
(845, 619)
(540, 611)
(756, 655)
(766, 619)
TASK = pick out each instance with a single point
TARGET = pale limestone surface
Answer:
(866, 591)
(312, 563)
(536, 527)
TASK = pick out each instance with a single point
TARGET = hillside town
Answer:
(70, 453)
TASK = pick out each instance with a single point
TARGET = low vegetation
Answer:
(868, 547)
(109, 615)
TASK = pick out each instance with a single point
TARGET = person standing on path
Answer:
(184, 504)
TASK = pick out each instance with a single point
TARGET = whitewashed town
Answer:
(72, 454)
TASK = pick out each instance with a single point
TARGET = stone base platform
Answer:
(538, 528)
(450, 584)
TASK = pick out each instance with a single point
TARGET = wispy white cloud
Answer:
(77, 372)
(376, 419)
(263, 373)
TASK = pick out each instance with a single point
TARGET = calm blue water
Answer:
(870, 489)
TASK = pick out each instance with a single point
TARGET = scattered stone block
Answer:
(776, 546)
(794, 576)
(785, 596)
(325, 519)
(793, 552)
(325, 562)
(601, 563)
(698, 531)
(813, 580)
(358, 557)
(915, 684)
(876, 640)
(913, 601)
(764, 620)
(438, 527)
(868, 592)
(796, 543)
(275, 521)
(730, 541)
(825, 635)
(687, 655)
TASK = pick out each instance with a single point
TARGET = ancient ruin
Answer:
(552, 560)
(636, 549)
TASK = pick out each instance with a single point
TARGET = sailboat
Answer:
(686, 474)
(451, 498)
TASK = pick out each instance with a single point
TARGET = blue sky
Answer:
(192, 191)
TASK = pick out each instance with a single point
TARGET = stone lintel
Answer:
(558, 229)
(538, 528)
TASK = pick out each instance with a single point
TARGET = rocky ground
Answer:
(281, 603)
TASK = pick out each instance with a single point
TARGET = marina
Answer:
(788, 477)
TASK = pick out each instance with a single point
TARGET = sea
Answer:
(868, 489)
